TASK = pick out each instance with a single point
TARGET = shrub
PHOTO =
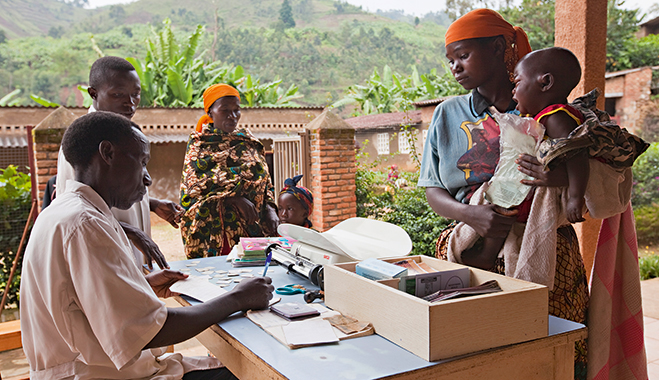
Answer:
(410, 210)
(405, 207)
(647, 224)
(646, 178)
(649, 267)
(15, 206)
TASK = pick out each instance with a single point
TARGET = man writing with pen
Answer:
(87, 312)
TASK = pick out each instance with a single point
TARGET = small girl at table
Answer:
(543, 81)
(295, 203)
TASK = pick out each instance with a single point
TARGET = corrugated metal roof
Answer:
(175, 108)
(13, 141)
(431, 102)
(385, 120)
(163, 138)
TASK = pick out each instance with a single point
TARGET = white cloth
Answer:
(86, 309)
(138, 215)
(530, 249)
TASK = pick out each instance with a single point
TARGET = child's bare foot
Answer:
(574, 210)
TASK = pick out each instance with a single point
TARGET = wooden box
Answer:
(435, 331)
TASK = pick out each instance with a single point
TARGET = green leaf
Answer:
(43, 102)
(178, 87)
(193, 43)
(7, 98)
(87, 100)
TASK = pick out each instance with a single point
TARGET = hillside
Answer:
(25, 18)
(28, 18)
(333, 45)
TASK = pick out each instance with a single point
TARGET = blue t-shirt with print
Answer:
(462, 146)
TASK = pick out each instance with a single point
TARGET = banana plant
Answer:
(11, 99)
(176, 76)
(393, 92)
(43, 102)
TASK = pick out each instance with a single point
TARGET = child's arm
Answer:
(578, 173)
(560, 124)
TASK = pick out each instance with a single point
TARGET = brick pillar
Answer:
(581, 27)
(332, 150)
(47, 139)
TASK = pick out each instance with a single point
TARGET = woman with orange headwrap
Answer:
(226, 189)
(462, 151)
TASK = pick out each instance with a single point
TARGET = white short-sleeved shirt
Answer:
(86, 309)
(137, 216)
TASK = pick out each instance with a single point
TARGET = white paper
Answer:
(308, 332)
(197, 288)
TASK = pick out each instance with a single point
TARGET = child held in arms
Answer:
(543, 81)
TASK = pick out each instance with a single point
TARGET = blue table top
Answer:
(368, 357)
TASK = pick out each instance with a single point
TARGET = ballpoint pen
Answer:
(268, 258)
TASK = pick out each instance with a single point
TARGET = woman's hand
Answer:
(487, 222)
(482, 218)
(144, 244)
(270, 220)
(167, 210)
(245, 207)
(161, 280)
(530, 166)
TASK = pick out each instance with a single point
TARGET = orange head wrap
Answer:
(211, 95)
(482, 23)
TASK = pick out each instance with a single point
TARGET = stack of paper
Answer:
(251, 251)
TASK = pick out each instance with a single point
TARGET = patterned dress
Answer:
(219, 165)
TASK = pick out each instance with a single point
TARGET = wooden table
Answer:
(250, 353)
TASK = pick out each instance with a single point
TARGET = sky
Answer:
(416, 7)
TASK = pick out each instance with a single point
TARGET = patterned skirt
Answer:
(568, 299)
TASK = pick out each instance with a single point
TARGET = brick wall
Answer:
(332, 150)
(47, 139)
(635, 87)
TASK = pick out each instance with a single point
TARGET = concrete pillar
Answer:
(47, 140)
(581, 27)
(332, 149)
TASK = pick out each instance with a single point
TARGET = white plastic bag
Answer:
(518, 135)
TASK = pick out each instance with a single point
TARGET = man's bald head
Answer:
(81, 140)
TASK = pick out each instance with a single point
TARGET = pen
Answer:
(268, 258)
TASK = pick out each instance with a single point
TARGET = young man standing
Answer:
(115, 87)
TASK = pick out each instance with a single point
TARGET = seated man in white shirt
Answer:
(87, 312)
(115, 87)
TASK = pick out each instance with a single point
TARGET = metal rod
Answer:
(33, 210)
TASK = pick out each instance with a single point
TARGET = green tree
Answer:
(417, 21)
(3, 36)
(536, 17)
(286, 15)
(621, 26)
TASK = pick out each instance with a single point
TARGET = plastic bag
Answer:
(518, 135)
